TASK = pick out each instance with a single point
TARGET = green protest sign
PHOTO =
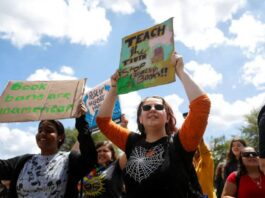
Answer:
(145, 58)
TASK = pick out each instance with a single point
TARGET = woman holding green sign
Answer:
(52, 173)
(159, 158)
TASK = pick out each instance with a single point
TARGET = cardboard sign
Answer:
(40, 100)
(93, 99)
(145, 58)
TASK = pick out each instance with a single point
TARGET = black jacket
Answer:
(79, 163)
(261, 124)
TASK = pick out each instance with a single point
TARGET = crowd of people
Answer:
(160, 160)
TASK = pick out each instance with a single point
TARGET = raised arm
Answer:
(88, 154)
(114, 132)
(192, 90)
(194, 126)
(107, 106)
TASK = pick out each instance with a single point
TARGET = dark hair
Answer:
(230, 155)
(219, 172)
(242, 170)
(170, 125)
(110, 147)
(59, 127)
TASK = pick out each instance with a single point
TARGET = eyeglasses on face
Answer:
(249, 154)
(158, 107)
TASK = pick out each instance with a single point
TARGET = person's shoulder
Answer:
(232, 177)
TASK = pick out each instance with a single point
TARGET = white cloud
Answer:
(27, 22)
(67, 70)
(226, 117)
(204, 74)
(16, 142)
(249, 33)
(129, 103)
(121, 6)
(195, 22)
(254, 72)
(175, 101)
(46, 74)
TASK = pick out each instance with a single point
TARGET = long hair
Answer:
(170, 126)
(219, 172)
(231, 158)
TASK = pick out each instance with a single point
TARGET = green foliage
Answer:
(70, 139)
(250, 130)
(98, 137)
(219, 147)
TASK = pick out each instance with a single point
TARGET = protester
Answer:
(232, 159)
(204, 166)
(219, 179)
(261, 126)
(249, 181)
(151, 171)
(105, 180)
(52, 173)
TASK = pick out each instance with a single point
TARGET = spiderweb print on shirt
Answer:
(141, 165)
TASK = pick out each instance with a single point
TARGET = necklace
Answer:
(257, 181)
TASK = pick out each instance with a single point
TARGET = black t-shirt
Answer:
(150, 170)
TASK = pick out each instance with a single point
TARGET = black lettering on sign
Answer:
(156, 31)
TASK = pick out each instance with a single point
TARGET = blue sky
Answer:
(222, 43)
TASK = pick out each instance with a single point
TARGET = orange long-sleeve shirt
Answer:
(190, 133)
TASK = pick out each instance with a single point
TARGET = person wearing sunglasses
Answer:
(261, 126)
(248, 181)
(150, 170)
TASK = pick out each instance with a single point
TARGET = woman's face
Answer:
(104, 155)
(237, 147)
(250, 157)
(47, 138)
(153, 113)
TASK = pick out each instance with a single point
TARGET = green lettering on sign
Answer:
(20, 86)
(24, 110)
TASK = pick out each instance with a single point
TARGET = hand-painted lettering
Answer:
(20, 86)
(149, 34)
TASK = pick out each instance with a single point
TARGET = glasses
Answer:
(249, 154)
(158, 107)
